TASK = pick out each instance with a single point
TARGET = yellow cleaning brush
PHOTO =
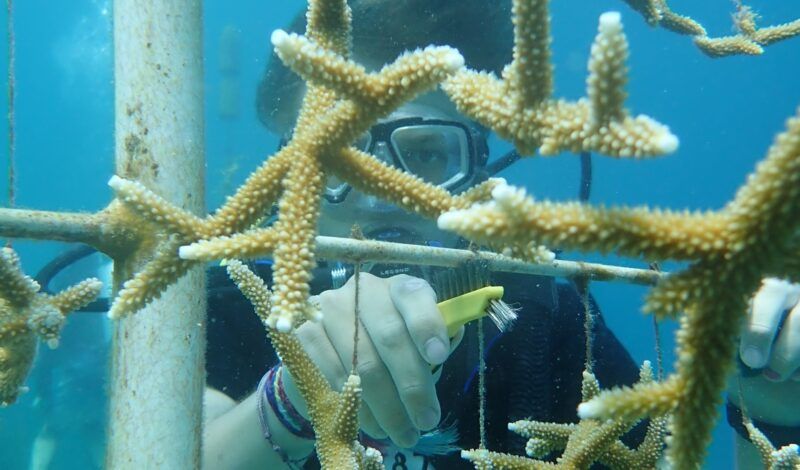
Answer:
(470, 297)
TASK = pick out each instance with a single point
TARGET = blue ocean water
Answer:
(725, 111)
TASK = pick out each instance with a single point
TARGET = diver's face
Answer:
(373, 214)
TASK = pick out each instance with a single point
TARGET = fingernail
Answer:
(414, 284)
(408, 438)
(771, 375)
(427, 418)
(436, 351)
(752, 357)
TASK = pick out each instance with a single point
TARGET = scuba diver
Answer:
(533, 371)
(255, 417)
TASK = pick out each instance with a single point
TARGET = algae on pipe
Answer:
(157, 372)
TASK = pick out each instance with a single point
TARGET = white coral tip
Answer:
(284, 325)
(588, 410)
(453, 60)
(353, 380)
(610, 21)
(115, 182)
(189, 251)
(505, 192)
(113, 312)
(279, 38)
(668, 143)
(448, 220)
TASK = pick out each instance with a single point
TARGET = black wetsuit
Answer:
(533, 371)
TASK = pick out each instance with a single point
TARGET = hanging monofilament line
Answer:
(582, 285)
(355, 232)
(356, 313)
(11, 94)
(657, 331)
(659, 355)
(481, 385)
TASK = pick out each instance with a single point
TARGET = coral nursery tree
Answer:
(729, 251)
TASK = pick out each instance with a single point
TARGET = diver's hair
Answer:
(382, 29)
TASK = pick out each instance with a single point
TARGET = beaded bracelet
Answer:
(288, 415)
(303, 426)
(264, 392)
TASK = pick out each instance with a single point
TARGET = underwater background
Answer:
(725, 111)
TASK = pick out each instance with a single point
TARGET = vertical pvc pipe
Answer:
(157, 363)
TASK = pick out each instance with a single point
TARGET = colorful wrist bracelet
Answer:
(286, 413)
(262, 393)
(304, 425)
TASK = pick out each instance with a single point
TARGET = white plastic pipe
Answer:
(157, 363)
(348, 249)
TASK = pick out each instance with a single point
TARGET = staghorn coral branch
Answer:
(15, 287)
(152, 280)
(631, 403)
(240, 211)
(370, 175)
(520, 109)
(749, 41)
(409, 75)
(329, 24)
(253, 243)
(153, 207)
(26, 314)
(350, 80)
(770, 201)
(261, 242)
(253, 287)
(785, 458)
(483, 459)
(730, 249)
(253, 198)
(323, 66)
(762, 227)
(75, 297)
(651, 10)
(530, 74)
(513, 217)
(334, 415)
(773, 34)
(294, 253)
(589, 441)
(680, 24)
(608, 73)
(345, 119)
(727, 46)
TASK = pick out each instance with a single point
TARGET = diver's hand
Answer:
(768, 340)
(771, 341)
(402, 334)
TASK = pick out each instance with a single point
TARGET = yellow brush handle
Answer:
(461, 310)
